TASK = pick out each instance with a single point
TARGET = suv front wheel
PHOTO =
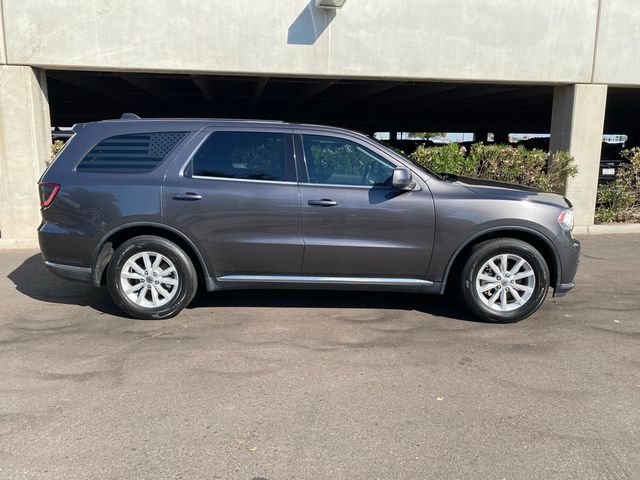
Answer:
(504, 280)
(151, 278)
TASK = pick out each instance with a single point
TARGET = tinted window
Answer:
(332, 160)
(248, 155)
(139, 152)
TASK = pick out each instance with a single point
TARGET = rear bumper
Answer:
(64, 246)
(69, 272)
(65, 253)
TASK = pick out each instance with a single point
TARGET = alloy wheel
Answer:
(149, 279)
(505, 282)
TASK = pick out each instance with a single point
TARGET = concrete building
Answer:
(569, 67)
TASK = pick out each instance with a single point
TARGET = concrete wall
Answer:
(3, 57)
(617, 60)
(25, 143)
(550, 41)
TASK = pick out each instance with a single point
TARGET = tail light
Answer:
(48, 192)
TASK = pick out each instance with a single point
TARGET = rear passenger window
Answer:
(139, 152)
(246, 155)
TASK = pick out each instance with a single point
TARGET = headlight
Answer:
(565, 219)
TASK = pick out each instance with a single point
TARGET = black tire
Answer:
(481, 254)
(185, 274)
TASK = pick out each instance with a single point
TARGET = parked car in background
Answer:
(610, 161)
(154, 209)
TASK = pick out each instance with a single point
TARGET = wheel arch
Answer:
(529, 235)
(117, 236)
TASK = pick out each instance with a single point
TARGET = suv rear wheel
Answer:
(504, 280)
(150, 277)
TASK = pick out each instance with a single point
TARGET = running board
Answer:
(407, 282)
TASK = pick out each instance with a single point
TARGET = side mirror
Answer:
(402, 179)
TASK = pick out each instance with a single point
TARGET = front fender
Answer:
(439, 271)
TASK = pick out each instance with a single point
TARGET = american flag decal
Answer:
(140, 152)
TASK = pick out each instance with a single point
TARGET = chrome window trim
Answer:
(252, 180)
(193, 152)
(365, 187)
(342, 185)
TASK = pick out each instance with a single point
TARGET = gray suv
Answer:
(154, 209)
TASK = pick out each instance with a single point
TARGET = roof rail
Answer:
(129, 116)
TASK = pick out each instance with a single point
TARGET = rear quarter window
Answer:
(132, 153)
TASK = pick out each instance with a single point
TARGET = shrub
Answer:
(449, 158)
(532, 168)
(503, 163)
(619, 201)
(56, 146)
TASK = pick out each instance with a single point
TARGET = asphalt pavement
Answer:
(321, 385)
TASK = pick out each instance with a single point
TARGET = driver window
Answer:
(337, 161)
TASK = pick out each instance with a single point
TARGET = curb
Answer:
(607, 229)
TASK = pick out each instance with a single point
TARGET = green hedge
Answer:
(619, 201)
(504, 163)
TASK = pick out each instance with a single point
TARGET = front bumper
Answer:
(563, 288)
(569, 262)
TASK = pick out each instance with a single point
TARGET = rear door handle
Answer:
(189, 196)
(325, 202)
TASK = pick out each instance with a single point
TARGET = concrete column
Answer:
(576, 126)
(25, 143)
(3, 46)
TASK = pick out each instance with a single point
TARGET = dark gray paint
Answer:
(375, 232)
(269, 229)
(240, 226)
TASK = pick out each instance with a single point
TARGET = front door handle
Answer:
(189, 196)
(325, 202)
